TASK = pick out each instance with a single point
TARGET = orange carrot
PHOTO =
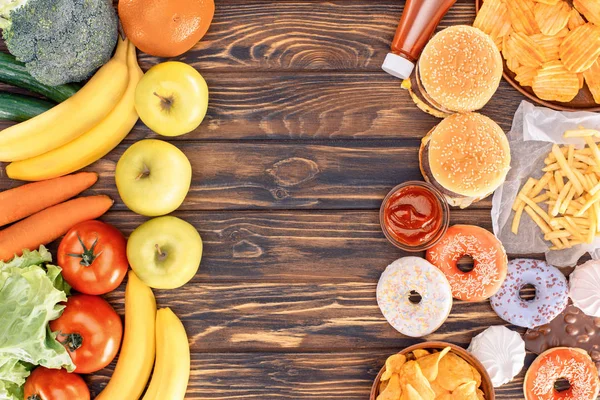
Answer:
(49, 224)
(23, 201)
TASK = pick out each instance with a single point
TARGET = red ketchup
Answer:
(418, 22)
(414, 216)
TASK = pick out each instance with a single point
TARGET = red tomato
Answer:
(55, 384)
(93, 257)
(90, 330)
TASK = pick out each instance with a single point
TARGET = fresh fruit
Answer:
(92, 145)
(172, 98)
(49, 224)
(55, 384)
(93, 257)
(165, 28)
(153, 177)
(22, 201)
(90, 330)
(136, 359)
(71, 118)
(172, 369)
(165, 252)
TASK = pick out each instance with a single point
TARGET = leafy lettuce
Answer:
(31, 291)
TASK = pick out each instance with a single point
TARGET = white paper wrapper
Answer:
(533, 131)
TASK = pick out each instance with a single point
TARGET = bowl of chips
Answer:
(550, 48)
(432, 371)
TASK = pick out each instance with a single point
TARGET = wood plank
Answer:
(288, 246)
(345, 375)
(348, 175)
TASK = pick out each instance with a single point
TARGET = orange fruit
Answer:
(165, 28)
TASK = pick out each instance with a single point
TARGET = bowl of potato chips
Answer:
(432, 371)
(551, 49)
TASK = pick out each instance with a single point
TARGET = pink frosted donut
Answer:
(551, 293)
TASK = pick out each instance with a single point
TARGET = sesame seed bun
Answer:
(460, 68)
(466, 156)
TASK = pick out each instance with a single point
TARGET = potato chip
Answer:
(476, 375)
(453, 372)
(480, 394)
(438, 390)
(392, 391)
(522, 16)
(393, 365)
(418, 353)
(466, 391)
(555, 83)
(550, 44)
(524, 75)
(525, 50)
(575, 20)
(447, 396)
(382, 385)
(550, 2)
(494, 20)
(429, 364)
(410, 373)
(580, 48)
(410, 393)
(551, 19)
(581, 79)
(592, 78)
(590, 9)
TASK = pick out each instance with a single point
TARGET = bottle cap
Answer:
(398, 66)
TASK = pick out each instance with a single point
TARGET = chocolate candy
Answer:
(571, 328)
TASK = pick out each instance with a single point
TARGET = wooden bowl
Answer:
(584, 101)
(486, 382)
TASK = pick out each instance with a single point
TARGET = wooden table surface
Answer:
(304, 136)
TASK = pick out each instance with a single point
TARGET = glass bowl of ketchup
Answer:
(414, 216)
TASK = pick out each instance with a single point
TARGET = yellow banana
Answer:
(92, 145)
(137, 352)
(172, 369)
(71, 118)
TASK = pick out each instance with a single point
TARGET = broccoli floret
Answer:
(60, 41)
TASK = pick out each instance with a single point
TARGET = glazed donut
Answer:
(393, 291)
(489, 261)
(551, 293)
(569, 363)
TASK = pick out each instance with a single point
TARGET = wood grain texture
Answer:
(349, 175)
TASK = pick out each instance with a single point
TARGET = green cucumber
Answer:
(14, 73)
(19, 108)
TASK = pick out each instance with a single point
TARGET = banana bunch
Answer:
(149, 333)
(80, 130)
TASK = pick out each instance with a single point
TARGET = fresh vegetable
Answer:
(137, 352)
(172, 369)
(14, 73)
(55, 384)
(22, 201)
(49, 224)
(165, 252)
(71, 118)
(172, 98)
(92, 145)
(31, 293)
(165, 28)
(19, 107)
(90, 330)
(153, 177)
(59, 41)
(93, 257)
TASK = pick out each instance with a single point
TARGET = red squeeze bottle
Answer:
(418, 22)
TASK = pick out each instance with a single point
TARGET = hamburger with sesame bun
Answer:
(459, 71)
(466, 157)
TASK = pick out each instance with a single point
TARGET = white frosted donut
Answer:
(584, 287)
(551, 293)
(393, 291)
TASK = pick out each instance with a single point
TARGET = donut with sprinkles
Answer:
(489, 262)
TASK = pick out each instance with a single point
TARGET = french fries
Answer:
(565, 201)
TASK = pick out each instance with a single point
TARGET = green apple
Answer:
(172, 98)
(153, 177)
(165, 252)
